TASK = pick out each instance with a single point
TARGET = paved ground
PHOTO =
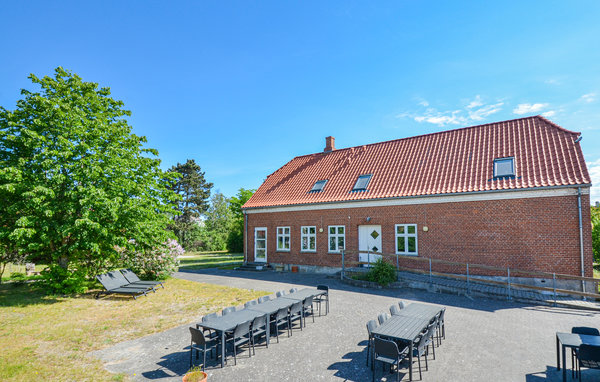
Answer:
(486, 340)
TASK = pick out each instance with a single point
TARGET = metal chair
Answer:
(240, 336)
(209, 333)
(200, 343)
(258, 328)
(371, 325)
(293, 290)
(324, 297)
(394, 310)
(296, 314)
(306, 305)
(401, 304)
(588, 356)
(281, 293)
(382, 317)
(585, 330)
(280, 318)
(228, 310)
(250, 303)
(387, 351)
(263, 299)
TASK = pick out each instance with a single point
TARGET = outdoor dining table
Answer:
(271, 307)
(303, 294)
(405, 329)
(572, 341)
(426, 312)
(227, 323)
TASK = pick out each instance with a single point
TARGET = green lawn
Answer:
(202, 260)
(47, 338)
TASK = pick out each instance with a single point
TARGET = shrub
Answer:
(382, 273)
(56, 279)
(156, 264)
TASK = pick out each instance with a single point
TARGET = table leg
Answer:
(557, 354)
(268, 329)
(410, 360)
(564, 362)
(223, 349)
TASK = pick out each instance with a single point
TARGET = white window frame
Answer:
(406, 235)
(282, 234)
(500, 160)
(337, 236)
(256, 229)
(308, 235)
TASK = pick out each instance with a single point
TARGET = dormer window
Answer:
(504, 167)
(318, 186)
(361, 183)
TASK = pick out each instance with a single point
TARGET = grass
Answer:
(202, 260)
(48, 337)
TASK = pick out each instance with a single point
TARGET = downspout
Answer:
(245, 237)
(581, 238)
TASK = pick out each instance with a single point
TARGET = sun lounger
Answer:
(114, 284)
(133, 279)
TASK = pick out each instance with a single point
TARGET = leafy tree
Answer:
(235, 239)
(194, 191)
(217, 223)
(596, 233)
(76, 181)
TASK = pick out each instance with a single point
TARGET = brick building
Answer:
(502, 194)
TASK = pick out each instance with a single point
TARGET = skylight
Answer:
(504, 167)
(318, 186)
(361, 183)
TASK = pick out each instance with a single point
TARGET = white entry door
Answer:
(369, 241)
(260, 245)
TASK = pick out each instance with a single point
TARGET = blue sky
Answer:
(242, 87)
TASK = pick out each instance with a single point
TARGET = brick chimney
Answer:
(329, 144)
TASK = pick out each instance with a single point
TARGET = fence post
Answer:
(508, 271)
(430, 281)
(397, 266)
(554, 286)
(343, 265)
(468, 284)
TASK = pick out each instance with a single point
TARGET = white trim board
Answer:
(434, 199)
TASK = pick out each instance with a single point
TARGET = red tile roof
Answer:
(447, 162)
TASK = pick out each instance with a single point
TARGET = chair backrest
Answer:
(197, 336)
(296, 308)
(441, 315)
(259, 322)
(293, 290)
(209, 317)
(382, 317)
(281, 314)
(228, 310)
(371, 325)
(394, 310)
(386, 348)
(323, 287)
(589, 356)
(263, 299)
(107, 281)
(250, 303)
(401, 304)
(280, 293)
(118, 278)
(129, 275)
(242, 329)
(586, 330)
(307, 302)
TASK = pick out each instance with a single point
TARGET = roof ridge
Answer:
(446, 132)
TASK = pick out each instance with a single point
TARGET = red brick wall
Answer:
(540, 234)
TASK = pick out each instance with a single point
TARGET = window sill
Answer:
(283, 250)
(307, 251)
(407, 254)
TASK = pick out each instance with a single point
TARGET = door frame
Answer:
(366, 255)
(257, 260)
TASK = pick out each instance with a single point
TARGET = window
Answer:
(361, 183)
(504, 167)
(337, 238)
(308, 238)
(318, 186)
(283, 238)
(406, 239)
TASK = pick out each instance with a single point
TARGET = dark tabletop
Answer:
(422, 311)
(229, 321)
(575, 340)
(272, 306)
(402, 328)
(303, 294)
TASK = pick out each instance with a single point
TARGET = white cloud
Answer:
(552, 81)
(474, 110)
(482, 112)
(475, 103)
(594, 169)
(424, 103)
(549, 113)
(588, 98)
(529, 108)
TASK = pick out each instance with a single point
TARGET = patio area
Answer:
(485, 339)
